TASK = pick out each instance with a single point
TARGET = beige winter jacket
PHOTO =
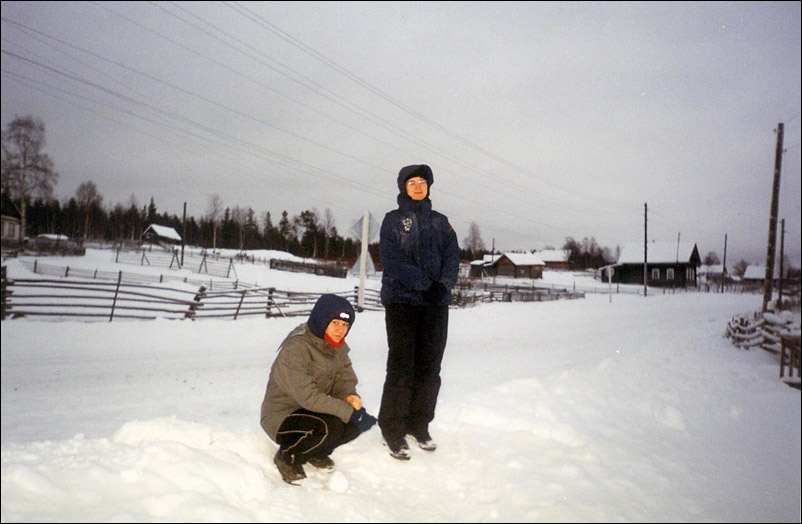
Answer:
(308, 373)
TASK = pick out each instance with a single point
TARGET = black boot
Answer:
(291, 473)
(399, 449)
(324, 463)
(424, 440)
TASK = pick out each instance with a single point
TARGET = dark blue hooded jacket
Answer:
(417, 246)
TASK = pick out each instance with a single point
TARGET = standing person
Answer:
(311, 405)
(420, 259)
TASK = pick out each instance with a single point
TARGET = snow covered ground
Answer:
(635, 409)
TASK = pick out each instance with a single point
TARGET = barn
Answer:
(669, 264)
(515, 265)
(554, 258)
(161, 235)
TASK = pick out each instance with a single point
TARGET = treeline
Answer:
(306, 235)
(588, 253)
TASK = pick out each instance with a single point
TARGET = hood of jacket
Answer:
(328, 307)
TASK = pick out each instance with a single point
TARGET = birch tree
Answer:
(26, 171)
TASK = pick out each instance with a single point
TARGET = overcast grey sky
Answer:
(541, 121)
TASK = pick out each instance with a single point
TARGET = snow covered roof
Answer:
(53, 236)
(487, 260)
(758, 272)
(525, 259)
(553, 255)
(164, 232)
(658, 252)
(715, 269)
(519, 259)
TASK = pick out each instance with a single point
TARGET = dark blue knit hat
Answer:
(421, 170)
(327, 308)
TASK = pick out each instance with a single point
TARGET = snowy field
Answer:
(636, 409)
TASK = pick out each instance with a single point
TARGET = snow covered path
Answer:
(580, 410)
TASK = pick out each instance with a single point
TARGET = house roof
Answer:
(553, 255)
(487, 260)
(525, 259)
(53, 236)
(715, 269)
(518, 259)
(659, 253)
(758, 272)
(164, 232)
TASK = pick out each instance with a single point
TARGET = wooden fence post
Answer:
(3, 293)
(196, 303)
(236, 314)
(116, 291)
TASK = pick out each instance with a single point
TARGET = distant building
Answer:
(668, 264)
(11, 223)
(515, 265)
(554, 258)
(161, 235)
(712, 273)
(757, 273)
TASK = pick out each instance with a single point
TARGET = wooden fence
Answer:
(775, 333)
(104, 300)
(101, 295)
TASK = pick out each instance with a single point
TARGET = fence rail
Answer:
(94, 294)
(110, 300)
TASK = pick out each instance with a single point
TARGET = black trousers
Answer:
(416, 337)
(305, 434)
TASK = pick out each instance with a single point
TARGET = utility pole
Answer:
(645, 244)
(363, 261)
(780, 278)
(724, 265)
(184, 233)
(775, 197)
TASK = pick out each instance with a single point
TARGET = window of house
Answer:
(670, 273)
(656, 273)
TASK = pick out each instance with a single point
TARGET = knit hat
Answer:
(421, 170)
(327, 308)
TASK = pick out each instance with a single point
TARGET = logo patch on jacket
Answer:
(407, 223)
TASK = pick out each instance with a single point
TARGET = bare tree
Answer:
(329, 229)
(473, 242)
(26, 171)
(87, 196)
(239, 216)
(214, 210)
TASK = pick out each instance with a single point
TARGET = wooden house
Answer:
(515, 265)
(161, 235)
(668, 264)
(11, 223)
(554, 258)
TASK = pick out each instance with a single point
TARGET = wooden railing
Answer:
(120, 299)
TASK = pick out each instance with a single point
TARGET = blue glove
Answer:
(362, 419)
(436, 294)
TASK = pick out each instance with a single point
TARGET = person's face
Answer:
(417, 188)
(337, 330)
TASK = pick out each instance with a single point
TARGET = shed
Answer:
(11, 223)
(515, 265)
(669, 264)
(757, 273)
(160, 235)
(554, 258)
(479, 268)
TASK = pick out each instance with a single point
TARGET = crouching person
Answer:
(311, 406)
